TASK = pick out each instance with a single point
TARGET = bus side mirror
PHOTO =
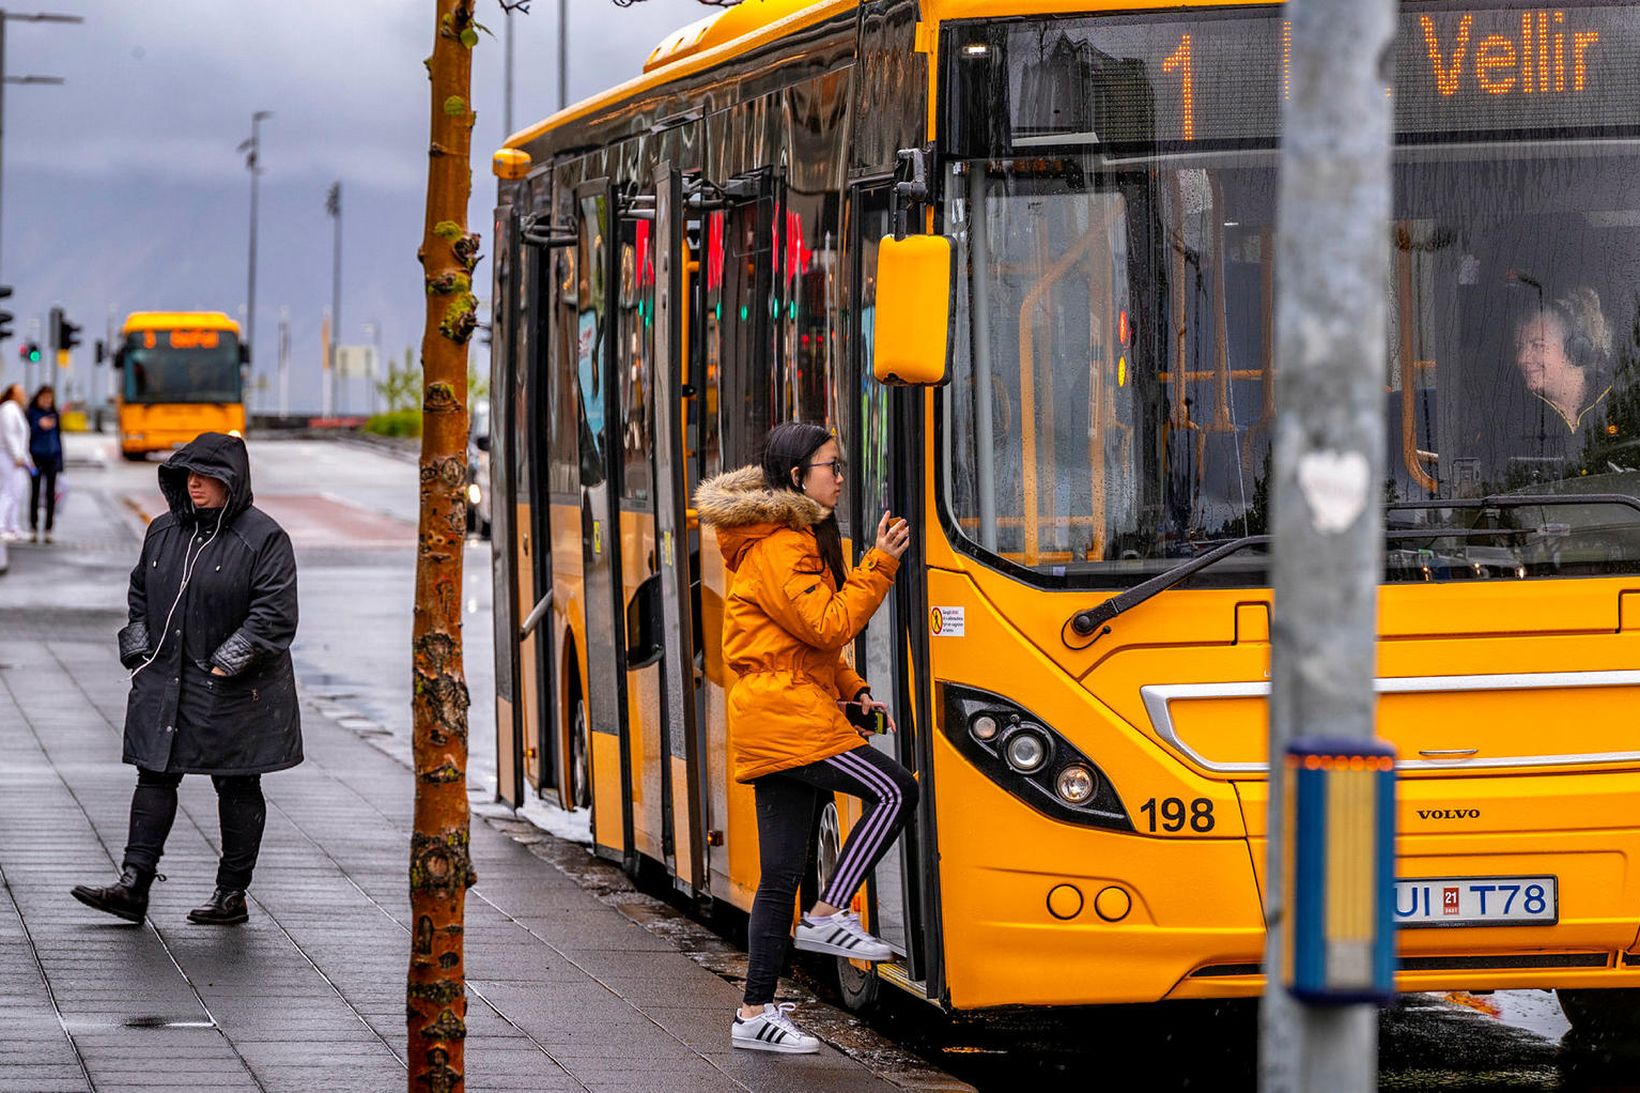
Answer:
(916, 287)
(119, 357)
(244, 355)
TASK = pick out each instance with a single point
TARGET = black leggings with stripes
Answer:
(788, 803)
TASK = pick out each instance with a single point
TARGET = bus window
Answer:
(635, 341)
(562, 401)
(711, 343)
(590, 341)
(1113, 398)
(166, 366)
(748, 390)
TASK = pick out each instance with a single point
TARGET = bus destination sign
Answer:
(1459, 73)
(182, 339)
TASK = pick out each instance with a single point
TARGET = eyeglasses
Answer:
(837, 466)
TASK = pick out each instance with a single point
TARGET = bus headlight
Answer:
(1075, 784)
(474, 494)
(1028, 758)
(1026, 751)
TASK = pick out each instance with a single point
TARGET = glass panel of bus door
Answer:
(738, 272)
(598, 411)
(675, 480)
(536, 310)
(881, 653)
(643, 745)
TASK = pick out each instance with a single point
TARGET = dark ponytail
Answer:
(790, 446)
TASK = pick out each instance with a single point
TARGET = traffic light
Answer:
(64, 334)
(5, 316)
(30, 352)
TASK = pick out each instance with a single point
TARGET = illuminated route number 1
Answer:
(1181, 61)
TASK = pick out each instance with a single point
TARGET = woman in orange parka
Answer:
(790, 612)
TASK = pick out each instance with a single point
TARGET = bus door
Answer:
(531, 303)
(643, 744)
(888, 455)
(675, 476)
(737, 380)
(598, 412)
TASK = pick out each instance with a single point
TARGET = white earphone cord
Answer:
(187, 575)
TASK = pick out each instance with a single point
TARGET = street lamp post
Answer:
(253, 163)
(19, 17)
(333, 206)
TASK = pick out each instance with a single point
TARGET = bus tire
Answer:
(580, 780)
(1604, 1018)
(859, 987)
(134, 457)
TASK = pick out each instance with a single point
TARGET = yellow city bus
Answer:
(182, 375)
(692, 256)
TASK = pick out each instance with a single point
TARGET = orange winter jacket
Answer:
(785, 624)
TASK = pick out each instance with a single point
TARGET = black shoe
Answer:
(126, 898)
(226, 907)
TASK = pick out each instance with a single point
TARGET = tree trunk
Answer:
(440, 863)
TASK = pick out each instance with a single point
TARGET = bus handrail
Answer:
(537, 613)
(1088, 622)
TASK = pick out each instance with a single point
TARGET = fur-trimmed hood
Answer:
(744, 509)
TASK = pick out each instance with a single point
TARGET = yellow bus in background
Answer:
(692, 256)
(181, 373)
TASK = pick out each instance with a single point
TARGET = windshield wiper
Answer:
(1088, 622)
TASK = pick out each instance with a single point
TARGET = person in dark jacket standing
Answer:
(45, 447)
(213, 612)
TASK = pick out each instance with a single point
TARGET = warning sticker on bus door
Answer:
(947, 622)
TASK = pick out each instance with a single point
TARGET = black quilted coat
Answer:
(237, 612)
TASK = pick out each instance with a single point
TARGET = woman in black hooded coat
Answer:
(213, 612)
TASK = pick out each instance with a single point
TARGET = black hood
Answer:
(217, 455)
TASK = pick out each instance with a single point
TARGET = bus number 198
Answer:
(1174, 815)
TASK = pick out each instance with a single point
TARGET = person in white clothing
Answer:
(15, 463)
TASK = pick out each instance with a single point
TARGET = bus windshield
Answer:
(1112, 403)
(182, 366)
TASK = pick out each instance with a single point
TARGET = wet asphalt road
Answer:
(351, 512)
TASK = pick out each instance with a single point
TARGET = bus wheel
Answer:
(580, 782)
(134, 457)
(1604, 1019)
(859, 987)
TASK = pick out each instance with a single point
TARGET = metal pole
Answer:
(38, 17)
(253, 162)
(563, 54)
(1332, 248)
(335, 206)
(284, 362)
(507, 94)
(2, 119)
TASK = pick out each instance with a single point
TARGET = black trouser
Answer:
(239, 807)
(788, 803)
(43, 481)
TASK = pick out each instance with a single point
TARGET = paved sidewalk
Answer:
(566, 993)
(568, 989)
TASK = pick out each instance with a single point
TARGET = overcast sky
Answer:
(123, 190)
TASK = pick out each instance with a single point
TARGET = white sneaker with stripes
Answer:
(772, 1030)
(841, 935)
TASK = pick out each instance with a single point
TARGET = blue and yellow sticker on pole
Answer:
(1339, 869)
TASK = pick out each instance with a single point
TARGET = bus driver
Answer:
(1563, 349)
